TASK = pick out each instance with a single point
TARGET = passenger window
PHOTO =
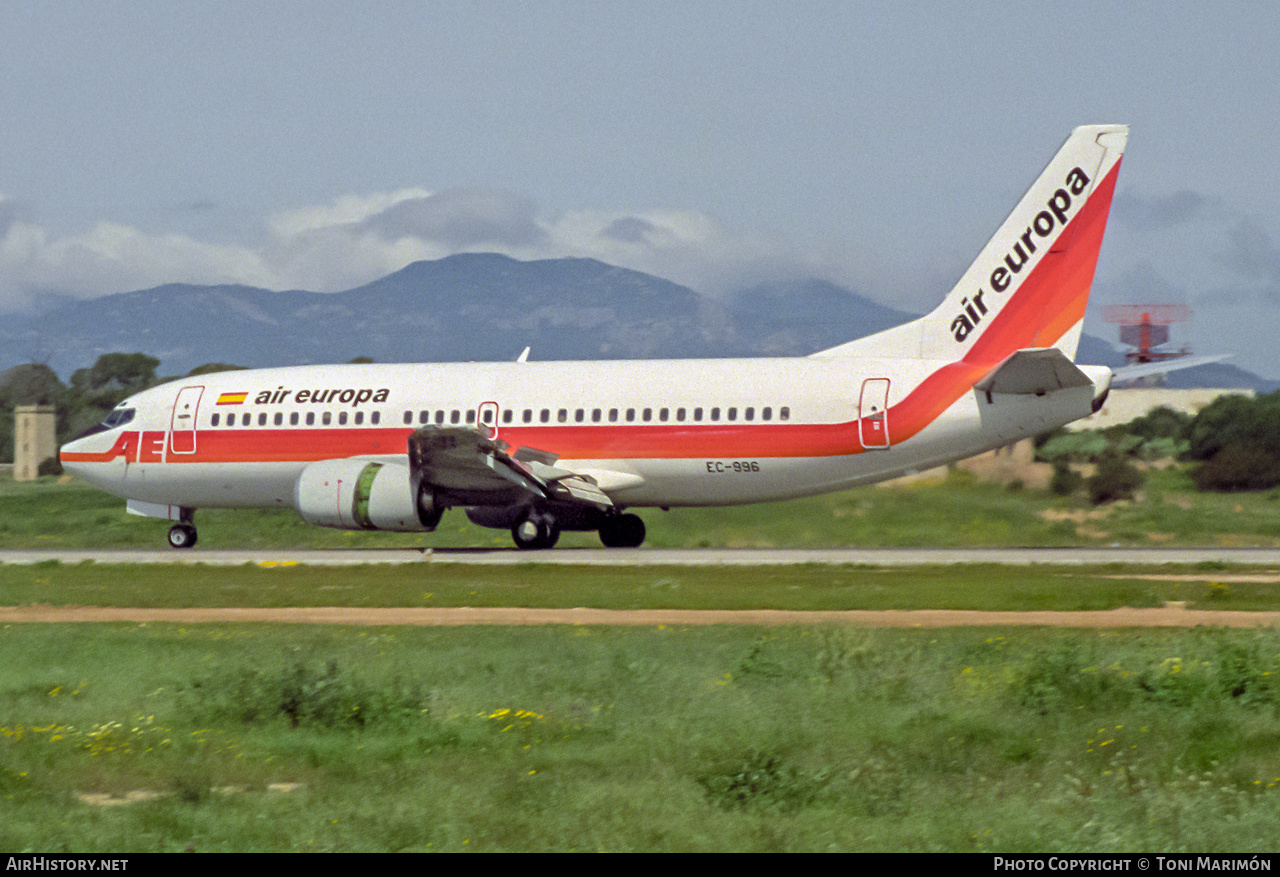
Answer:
(595, 415)
(262, 419)
(528, 415)
(359, 418)
(375, 417)
(342, 418)
(697, 414)
(440, 417)
(715, 413)
(326, 418)
(733, 414)
(648, 414)
(471, 416)
(579, 415)
(545, 415)
(613, 415)
(680, 414)
(214, 420)
(766, 413)
(311, 418)
(631, 414)
(506, 415)
(784, 413)
(562, 416)
(454, 416)
(293, 418)
(749, 414)
(279, 418)
(662, 415)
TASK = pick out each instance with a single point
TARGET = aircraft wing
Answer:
(466, 468)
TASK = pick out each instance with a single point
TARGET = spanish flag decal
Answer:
(232, 398)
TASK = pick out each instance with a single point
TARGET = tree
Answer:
(1238, 439)
(31, 384)
(213, 367)
(95, 391)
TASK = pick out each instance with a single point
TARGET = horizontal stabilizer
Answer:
(1033, 371)
(1146, 369)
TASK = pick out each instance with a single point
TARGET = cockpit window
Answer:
(119, 417)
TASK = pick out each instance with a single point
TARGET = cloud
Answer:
(112, 258)
(1251, 253)
(462, 219)
(358, 238)
(8, 215)
(629, 230)
(1154, 213)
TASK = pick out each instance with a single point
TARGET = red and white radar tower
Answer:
(1146, 327)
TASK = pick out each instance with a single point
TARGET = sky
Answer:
(320, 145)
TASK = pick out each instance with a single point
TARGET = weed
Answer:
(760, 778)
(842, 650)
(757, 664)
(304, 696)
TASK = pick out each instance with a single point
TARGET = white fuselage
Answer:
(651, 433)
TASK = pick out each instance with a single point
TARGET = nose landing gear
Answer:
(183, 534)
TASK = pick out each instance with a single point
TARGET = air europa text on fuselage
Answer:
(1057, 211)
(355, 398)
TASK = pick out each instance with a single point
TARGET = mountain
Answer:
(464, 307)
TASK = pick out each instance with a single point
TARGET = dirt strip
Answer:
(1167, 616)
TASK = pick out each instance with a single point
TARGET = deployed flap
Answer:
(464, 467)
(1033, 371)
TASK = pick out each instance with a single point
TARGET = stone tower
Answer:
(34, 439)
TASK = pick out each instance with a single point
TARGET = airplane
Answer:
(544, 447)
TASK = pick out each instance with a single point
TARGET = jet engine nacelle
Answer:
(359, 495)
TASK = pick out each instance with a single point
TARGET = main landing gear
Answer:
(183, 534)
(535, 530)
(622, 531)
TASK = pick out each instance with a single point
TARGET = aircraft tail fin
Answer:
(1029, 286)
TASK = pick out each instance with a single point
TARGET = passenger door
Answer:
(182, 424)
(873, 414)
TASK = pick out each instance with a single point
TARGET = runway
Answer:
(662, 556)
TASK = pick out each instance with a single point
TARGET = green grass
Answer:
(960, 512)
(314, 738)
(797, 587)
(638, 739)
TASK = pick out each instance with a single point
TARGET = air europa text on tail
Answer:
(1057, 211)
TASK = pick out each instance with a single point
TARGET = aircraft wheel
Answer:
(182, 536)
(535, 531)
(622, 531)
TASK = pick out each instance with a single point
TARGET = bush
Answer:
(1239, 466)
(1065, 480)
(1116, 479)
(1236, 420)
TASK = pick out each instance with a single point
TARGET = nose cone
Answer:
(95, 458)
(71, 455)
